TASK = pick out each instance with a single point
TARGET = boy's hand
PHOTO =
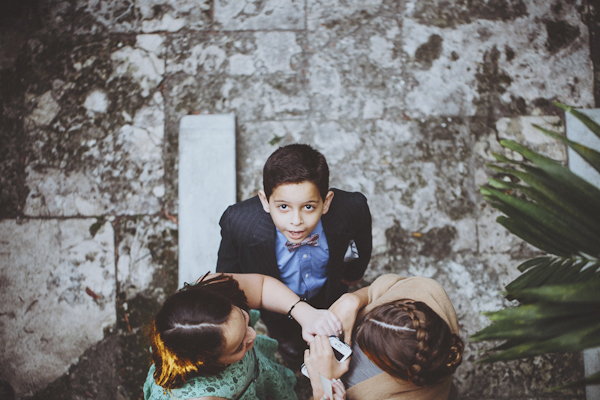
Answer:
(346, 308)
(316, 322)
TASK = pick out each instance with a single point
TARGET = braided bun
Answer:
(408, 340)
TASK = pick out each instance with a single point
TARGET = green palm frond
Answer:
(555, 210)
(593, 379)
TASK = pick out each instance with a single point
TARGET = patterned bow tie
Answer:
(311, 240)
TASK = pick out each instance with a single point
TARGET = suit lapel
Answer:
(262, 251)
(337, 236)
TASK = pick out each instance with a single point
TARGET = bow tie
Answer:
(311, 240)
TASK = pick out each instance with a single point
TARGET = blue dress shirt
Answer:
(303, 270)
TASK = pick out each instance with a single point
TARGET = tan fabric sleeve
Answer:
(393, 287)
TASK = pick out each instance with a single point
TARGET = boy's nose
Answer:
(297, 220)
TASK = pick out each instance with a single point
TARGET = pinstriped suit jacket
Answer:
(248, 240)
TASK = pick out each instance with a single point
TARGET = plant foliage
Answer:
(558, 212)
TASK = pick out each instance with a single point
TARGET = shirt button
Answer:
(304, 256)
(306, 276)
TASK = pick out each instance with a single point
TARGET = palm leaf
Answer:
(550, 207)
(577, 339)
(587, 121)
(536, 330)
(581, 188)
(550, 195)
(525, 314)
(547, 272)
(590, 155)
(588, 292)
(533, 262)
(547, 222)
(588, 380)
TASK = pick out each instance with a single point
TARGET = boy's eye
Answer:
(283, 207)
(309, 207)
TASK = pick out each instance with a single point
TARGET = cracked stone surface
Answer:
(92, 146)
(407, 100)
(51, 315)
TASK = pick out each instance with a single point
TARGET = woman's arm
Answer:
(347, 308)
(267, 292)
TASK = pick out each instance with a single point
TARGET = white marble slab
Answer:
(578, 132)
(207, 185)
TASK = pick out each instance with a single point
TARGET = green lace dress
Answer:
(274, 380)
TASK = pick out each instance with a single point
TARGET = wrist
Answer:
(289, 313)
(317, 388)
(299, 311)
(361, 296)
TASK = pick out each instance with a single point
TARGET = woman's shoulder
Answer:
(225, 384)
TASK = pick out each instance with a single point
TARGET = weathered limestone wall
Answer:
(406, 99)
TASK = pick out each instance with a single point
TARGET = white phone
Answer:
(341, 351)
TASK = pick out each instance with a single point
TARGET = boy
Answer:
(315, 240)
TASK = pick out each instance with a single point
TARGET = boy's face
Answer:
(296, 208)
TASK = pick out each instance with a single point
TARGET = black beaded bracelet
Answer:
(289, 314)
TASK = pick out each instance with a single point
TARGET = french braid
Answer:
(410, 341)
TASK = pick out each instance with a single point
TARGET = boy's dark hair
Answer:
(296, 163)
(408, 340)
(187, 334)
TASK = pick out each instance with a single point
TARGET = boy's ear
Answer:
(263, 199)
(327, 201)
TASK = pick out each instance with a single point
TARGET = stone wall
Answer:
(406, 99)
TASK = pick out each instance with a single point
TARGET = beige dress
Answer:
(389, 288)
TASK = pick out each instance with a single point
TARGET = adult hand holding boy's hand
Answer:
(316, 322)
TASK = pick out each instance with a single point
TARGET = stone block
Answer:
(254, 75)
(173, 15)
(235, 54)
(99, 17)
(143, 16)
(354, 69)
(514, 60)
(57, 298)
(97, 146)
(335, 12)
(259, 15)
(256, 141)
(147, 249)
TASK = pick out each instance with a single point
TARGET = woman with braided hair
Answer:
(204, 346)
(405, 342)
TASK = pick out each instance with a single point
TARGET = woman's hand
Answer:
(319, 360)
(316, 322)
(346, 308)
(339, 391)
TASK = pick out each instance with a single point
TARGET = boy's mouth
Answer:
(295, 234)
